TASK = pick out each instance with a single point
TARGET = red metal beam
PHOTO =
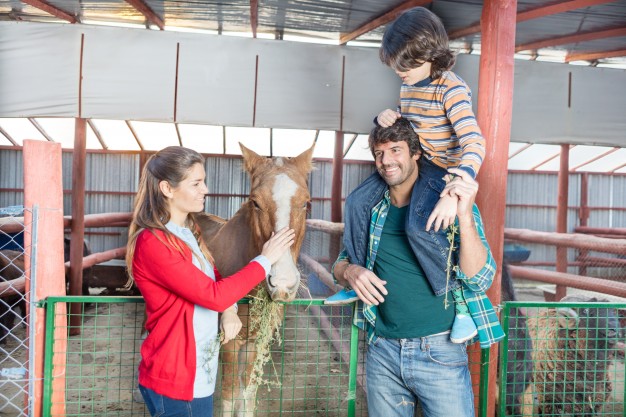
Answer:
(40, 129)
(556, 7)
(381, 20)
(148, 13)
(575, 38)
(561, 216)
(520, 150)
(6, 135)
(545, 161)
(97, 133)
(254, 16)
(570, 240)
(495, 102)
(593, 55)
(604, 286)
(53, 10)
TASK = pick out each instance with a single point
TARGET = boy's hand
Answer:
(387, 117)
(463, 187)
(444, 213)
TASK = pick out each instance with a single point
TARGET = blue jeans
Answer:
(431, 370)
(162, 406)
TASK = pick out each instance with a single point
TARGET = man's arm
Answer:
(476, 264)
(368, 287)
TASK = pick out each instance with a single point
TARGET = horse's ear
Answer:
(250, 158)
(305, 160)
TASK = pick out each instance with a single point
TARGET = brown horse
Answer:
(279, 197)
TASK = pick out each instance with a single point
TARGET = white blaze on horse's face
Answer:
(281, 282)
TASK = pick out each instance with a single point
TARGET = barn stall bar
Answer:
(271, 78)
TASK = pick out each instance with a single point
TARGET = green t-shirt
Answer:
(411, 308)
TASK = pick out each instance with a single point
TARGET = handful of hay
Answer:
(266, 317)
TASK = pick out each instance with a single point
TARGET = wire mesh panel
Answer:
(14, 322)
(562, 359)
(100, 363)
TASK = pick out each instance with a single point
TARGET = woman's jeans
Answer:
(162, 406)
(431, 370)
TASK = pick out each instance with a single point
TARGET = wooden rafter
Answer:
(96, 132)
(178, 135)
(148, 13)
(381, 20)
(53, 10)
(6, 135)
(130, 127)
(592, 56)
(618, 167)
(579, 37)
(560, 6)
(595, 158)
(520, 150)
(254, 16)
(41, 129)
(350, 144)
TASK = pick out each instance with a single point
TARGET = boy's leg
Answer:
(463, 328)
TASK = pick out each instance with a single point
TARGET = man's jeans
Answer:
(431, 369)
(162, 406)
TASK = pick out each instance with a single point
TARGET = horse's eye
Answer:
(256, 205)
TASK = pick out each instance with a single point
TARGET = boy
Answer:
(438, 104)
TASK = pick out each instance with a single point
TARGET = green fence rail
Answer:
(562, 359)
(319, 364)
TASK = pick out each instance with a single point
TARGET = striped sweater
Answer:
(442, 116)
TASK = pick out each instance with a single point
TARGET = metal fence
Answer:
(562, 359)
(319, 364)
(15, 324)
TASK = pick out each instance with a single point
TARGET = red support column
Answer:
(335, 194)
(46, 191)
(561, 217)
(583, 218)
(77, 226)
(495, 102)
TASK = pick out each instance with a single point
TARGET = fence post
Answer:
(43, 188)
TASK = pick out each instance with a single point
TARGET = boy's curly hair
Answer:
(415, 37)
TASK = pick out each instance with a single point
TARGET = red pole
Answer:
(495, 102)
(336, 198)
(561, 217)
(45, 191)
(583, 216)
(77, 226)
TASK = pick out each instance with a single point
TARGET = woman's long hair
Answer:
(171, 164)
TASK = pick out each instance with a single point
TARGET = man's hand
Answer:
(444, 213)
(387, 117)
(230, 325)
(465, 189)
(366, 284)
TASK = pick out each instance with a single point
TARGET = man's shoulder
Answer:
(372, 188)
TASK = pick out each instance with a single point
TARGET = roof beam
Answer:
(381, 20)
(6, 135)
(40, 129)
(602, 155)
(254, 16)
(356, 135)
(145, 10)
(96, 132)
(53, 10)
(579, 37)
(560, 6)
(592, 56)
(130, 127)
(520, 150)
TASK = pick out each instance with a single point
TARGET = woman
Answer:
(183, 292)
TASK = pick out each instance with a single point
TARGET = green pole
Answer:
(354, 357)
(484, 383)
(48, 353)
(504, 351)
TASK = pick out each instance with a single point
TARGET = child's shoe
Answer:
(345, 296)
(463, 329)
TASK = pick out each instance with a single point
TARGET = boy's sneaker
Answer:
(463, 329)
(345, 296)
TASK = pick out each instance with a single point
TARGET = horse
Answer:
(279, 197)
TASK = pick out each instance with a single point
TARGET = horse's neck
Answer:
(232, 245)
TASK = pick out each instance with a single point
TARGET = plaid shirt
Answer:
(481, 310)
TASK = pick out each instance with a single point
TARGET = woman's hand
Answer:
(230, 325)
(280, 241)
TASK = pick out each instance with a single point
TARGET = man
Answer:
(403, 292)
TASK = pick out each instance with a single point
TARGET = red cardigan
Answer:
(171, 285)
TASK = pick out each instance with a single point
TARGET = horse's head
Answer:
(279, 196)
